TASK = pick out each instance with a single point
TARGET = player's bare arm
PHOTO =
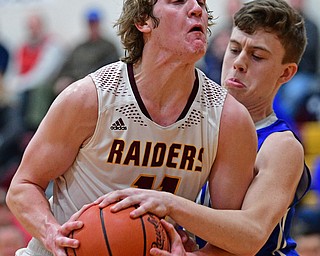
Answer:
(267, 199)
(233, 169)
(277, 193)
(57, 138)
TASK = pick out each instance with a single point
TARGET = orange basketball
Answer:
(116, 234)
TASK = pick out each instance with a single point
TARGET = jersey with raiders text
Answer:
(128, 149)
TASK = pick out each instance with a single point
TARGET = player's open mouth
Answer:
(196, 28)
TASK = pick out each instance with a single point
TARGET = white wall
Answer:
(65, 17)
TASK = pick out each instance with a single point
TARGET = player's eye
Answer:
(234, 50)
(179, 1)
(256, 57)
(202, 3)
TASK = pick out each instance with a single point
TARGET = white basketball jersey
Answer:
(128, 149)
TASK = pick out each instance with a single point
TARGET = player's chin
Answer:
(198, 52)
(199, 46)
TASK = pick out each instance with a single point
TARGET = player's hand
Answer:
(57, 239)
(177, 248)
(188, 241)
(156, 202)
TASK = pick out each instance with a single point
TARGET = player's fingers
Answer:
(159, 252)
(177, 247)
(184, 236)
(173, 234)
(130, 201)
(109, 198)
(76, 215)
(64, 242)
(69, 226)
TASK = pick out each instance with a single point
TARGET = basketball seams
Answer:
(144, 236)
(104, 231)
(73, 250)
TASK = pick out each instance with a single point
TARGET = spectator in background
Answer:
(4, 60)
(9, 128)
(11, 239)
(36, 63)
(291, 99)
(308, 238)
(29, 83)
(95, 52)
(309, 245)
(212, 61)
(307, 219)
(6, 216)
(12, 234)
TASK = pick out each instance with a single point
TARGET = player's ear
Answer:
(144, 27)
(289, 71)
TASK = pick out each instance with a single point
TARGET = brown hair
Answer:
(135, 12)
(277, 17)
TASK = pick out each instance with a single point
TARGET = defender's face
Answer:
(252, 66)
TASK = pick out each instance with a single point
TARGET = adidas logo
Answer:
(118, 125)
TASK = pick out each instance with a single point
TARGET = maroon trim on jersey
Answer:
(191, 97)
(136, 91)
(140, 101)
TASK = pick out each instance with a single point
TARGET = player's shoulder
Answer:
(236, 123)
(282, 155)
(109, 70)
(109, 75)
(212, 93)
(236, 112)
(80, 94)
(284, 141)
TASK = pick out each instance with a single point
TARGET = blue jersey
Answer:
(280, 242)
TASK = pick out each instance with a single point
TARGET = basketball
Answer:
(116, 234)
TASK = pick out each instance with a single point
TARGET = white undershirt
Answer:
(266, 121)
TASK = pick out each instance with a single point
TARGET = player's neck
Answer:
(164, 94)
(270, 119)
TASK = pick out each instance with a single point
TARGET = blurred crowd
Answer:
(32, 76)
(35, 73)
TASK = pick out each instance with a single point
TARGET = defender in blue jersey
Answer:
(280, 242)
(264, 50)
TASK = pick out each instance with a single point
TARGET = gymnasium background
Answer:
(65, 18)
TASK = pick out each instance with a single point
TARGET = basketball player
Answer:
(264, 50)
(151, 121)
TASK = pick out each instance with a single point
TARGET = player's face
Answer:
(182, 29)
(252, 69)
